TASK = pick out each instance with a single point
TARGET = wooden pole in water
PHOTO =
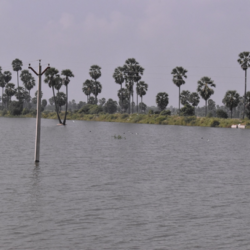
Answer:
(38, 113)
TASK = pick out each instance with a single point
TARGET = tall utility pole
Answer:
(38, 113)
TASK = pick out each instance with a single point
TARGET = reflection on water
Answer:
(164, 187)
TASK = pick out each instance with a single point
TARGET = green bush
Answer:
(150, 112)
(16, 108)
(157, 112)
(165, 112)
(221, 113)
(94, 109)
(214, 123)
(187, 110)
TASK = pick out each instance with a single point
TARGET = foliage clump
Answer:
(165, 112)
(16, 108)
(221, 113)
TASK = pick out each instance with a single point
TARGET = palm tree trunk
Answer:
(58, 117)
(65, 115)
(17, 80)
(245, 93)
(179, 99)
(137, 103)
(206, 109)
(231, 112)
(2, 97)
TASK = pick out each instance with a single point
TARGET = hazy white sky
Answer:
(203, 36)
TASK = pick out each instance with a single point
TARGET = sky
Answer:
(203, 36)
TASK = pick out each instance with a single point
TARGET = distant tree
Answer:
(179, 73)
(2, 83)
(20, 94)
(231, 100)
(132, 73)
(28, 80)
(61, 99)
(205, 90)
(123, 95)
(95, 73)
(67, 73)
(194, 99)
(88, 85)
(102, 101)
(187, 110)
(211, 106)
(17, 66)
(92, 100)
(81, 104)
(141, 90)
(221, 113)
(44, 103)
(110, 106)
(244, 61)
(185, 97)
(10, 91)
(16, 108)
(162, 100)
(52, 101)
(142, 107)
(51, 78)
(97, 89)
(5, 77)
(247, 104)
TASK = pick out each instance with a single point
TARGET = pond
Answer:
(158, 187)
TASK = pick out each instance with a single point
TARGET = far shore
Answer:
(145, 119)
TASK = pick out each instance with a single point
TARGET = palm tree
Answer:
(141, 90)
(2, 84)
(28, 80)
(95, 73)
(162, 100)
(51, 77)
(10, 91)
(67, 73)
(231, 100)
(194, 99)
(132, 73)
(123, 95)
(87, 88)
(244, 61)
(205, 90)
(4, 79)
(118, 76)
(97, 90)
(184, 97)
(178, 74)
(61, 100)
(17, 65)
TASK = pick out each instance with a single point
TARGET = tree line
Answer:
(129, 77)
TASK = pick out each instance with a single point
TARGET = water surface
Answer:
(163, 187)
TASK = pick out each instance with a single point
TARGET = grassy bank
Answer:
(145, 119)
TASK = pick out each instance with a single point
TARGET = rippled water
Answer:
(163, 187)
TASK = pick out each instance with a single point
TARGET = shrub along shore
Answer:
(142, 119)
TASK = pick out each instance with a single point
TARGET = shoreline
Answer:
(145, 119)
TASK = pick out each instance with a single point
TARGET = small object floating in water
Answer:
(90, 131)
(201, 137)
(73, 121)
(59, 124)
(241, 126)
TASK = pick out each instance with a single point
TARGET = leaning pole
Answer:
(38, 113)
